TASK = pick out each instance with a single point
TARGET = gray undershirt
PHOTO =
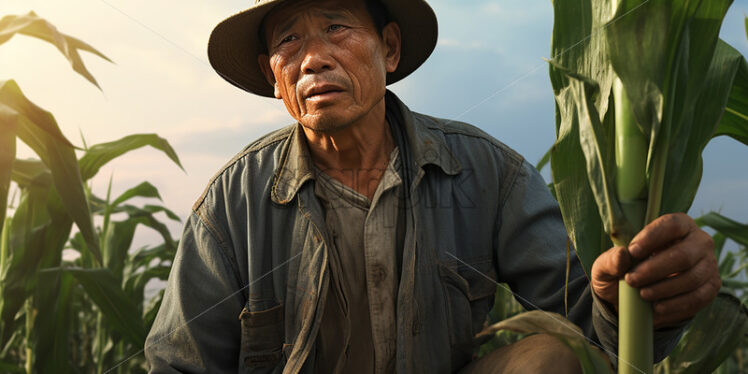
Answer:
(358, 331)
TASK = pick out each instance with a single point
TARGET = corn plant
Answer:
(70, 316)
(641, 86)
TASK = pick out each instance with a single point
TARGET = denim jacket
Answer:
(248, 284)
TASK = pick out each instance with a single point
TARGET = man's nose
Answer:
(317, 57)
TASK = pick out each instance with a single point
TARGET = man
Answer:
(368, 238)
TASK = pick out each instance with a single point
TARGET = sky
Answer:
(487, 69)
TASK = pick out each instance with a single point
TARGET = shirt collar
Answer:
(424, 144)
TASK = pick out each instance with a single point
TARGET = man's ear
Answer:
(392, 43)
(264, 61)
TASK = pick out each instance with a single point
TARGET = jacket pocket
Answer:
(469, 296)
(262, 338)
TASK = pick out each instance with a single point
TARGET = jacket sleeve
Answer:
(197, 329)
(532, 249)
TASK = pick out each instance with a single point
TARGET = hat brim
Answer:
(235, 43)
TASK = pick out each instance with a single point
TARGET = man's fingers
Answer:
(678, 258)
(613, 263)
(681, 283)
(607, 269)
(660, 233)
(677, 309)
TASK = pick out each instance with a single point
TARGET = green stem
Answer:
(635, 348)
(29, 311)
(100, 338)
(4, 243)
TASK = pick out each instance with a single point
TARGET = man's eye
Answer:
(335, 27)
(288, 39)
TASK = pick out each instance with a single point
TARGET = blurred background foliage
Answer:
(85, 311)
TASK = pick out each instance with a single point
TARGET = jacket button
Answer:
(416, 327)
(378, 274)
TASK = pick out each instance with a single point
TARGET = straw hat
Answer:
(235, 43)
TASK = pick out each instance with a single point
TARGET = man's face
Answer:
(327, 61)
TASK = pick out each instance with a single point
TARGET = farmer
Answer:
(368, 238)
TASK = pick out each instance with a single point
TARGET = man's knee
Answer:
(533, 354)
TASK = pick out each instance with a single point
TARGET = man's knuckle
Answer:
(703, 296)
(708, 242)
(680, 258)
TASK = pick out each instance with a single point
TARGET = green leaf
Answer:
(727, 263)
(144, 189)
(37, 128)
(136, 283)
(119, 311)
(735, 121)
(39, 230)
(734, 230)
(7, 155)
(32, 25)
(544, 160)
(100, 154)
(711, 337)
(118, 240)
(697, 127)
(51, 332)
(28, 173)
(7, 367)
(592, 360)
(579, 53)
(719, 244)
(146, 255)
(569, 162)
(152, 310)
(678, 66)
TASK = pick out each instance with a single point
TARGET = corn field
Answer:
(88, 311)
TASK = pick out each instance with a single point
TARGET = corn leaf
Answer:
(119, 311)
(144, 189)
(25, 250)
(51, 332)
(578, 47)
(734, 230)
(592, 360)
(7, 155)
(711, 337)
(544, 160)
(7, 367)
(734, 121)
(28, 173)
(121, 233)
(38, 128)
(145, 255)
(678, 75)
(152, 310)
(100, 154)
(135, 283)
(32, 25)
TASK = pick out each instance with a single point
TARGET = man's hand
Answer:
(678, 272)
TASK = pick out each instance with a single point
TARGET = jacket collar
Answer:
(426, 146)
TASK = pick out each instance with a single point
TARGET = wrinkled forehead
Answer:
(286, 13)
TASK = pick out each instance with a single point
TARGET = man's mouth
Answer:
(322, 92)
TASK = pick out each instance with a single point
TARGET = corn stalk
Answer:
(641, 86)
